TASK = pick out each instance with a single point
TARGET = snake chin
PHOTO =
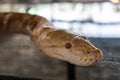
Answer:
(87, 59)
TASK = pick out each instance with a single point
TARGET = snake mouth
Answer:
(93, 57)
(86, 59)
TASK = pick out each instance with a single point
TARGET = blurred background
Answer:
(99, 20)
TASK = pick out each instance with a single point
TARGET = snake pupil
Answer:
(68, 45)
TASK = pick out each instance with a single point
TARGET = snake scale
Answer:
(56, 43)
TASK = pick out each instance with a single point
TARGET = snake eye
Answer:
(68, 45)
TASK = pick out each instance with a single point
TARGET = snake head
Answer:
(83, 52)
(72, 48)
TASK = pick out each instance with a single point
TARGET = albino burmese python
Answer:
(54, 42)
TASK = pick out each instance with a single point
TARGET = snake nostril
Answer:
(68, 45)
(96, 56)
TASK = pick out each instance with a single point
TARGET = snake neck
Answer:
(11, 23)
(32, 25)
(20, 23)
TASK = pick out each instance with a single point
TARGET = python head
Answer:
(69, 47)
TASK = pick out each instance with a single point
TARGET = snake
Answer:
(56, 43)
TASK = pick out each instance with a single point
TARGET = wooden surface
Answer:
(20, 57)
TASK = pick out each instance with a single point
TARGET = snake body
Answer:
(56, 43)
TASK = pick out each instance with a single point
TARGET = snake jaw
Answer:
(92, 57)
(84, 59)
